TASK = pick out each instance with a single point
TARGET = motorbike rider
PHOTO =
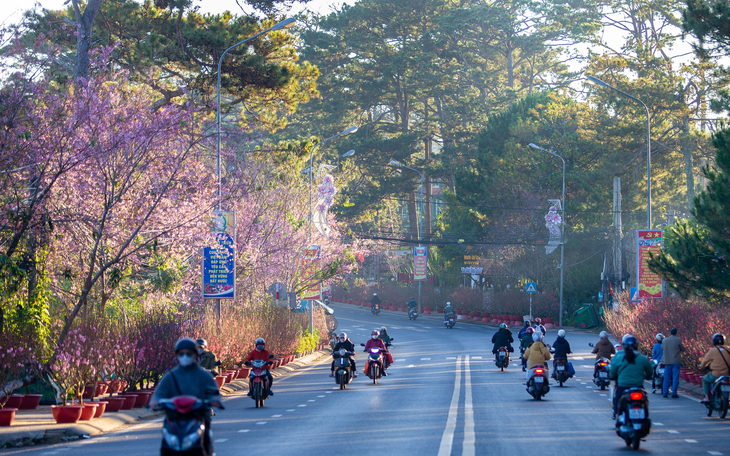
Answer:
(629, 368)
(386, 340)
(718, 360)
(604, 348)
(448, 310)
(523, 330)
(537, 354)
(412, 304)
(562, 349)
(207, 357)
(344, 343)
(260, 353)
(524, 343)
(376, 341)
(502, 338)
(189, 379)
(656, 351)
(374, 300)
(539, 326)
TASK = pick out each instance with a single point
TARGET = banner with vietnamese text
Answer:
(420, 263)
(649, 283)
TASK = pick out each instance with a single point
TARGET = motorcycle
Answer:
(600, 373)
(522, 359)
(658, 380)
(538, 386)
(719, 396)
(501, 358)
(375, 309)
(258, 382)
(343, 367)
(632, 420)
(374, 368)
(450, 321)
(184, 429)
(412, 313)
(562, 372)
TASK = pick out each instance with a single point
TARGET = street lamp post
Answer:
(420, 225)
(597, 81)
(562, 231)
(352, 129)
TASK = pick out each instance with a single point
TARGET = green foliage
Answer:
(308, 342)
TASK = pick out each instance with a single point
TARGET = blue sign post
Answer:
(531, 288)
(219, 259)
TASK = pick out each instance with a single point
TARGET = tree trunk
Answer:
(84, 29)
(413, 215)
(688, 166)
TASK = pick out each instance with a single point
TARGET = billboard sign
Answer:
(420, 263)
(219, 259)
(649, 283)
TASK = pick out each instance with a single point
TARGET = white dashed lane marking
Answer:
(672, 431)
(276, 416)
(715, 453)
(220, 440)
(690, 441)
(261, 422)
(476, 357)
(244, 430)
(425, 359)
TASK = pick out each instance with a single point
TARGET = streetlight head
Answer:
(352, 129)
(306, 170)
(534, 146)
(594, 80)
(349, 153)
(395, 163)
(285, 24)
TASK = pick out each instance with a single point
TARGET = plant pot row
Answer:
(23, 401)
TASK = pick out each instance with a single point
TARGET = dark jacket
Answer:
(502, 338)
(604, 349)
(672, 349)
(521, 334)
(385, 338)
(526, 340)
(347, 345)
(191, 380)
(412, 303)
(561, 347)
(375, 300)
(208, 361)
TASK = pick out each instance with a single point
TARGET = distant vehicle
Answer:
(538, 386)
(450, 321)
(343, 367)
(412, 313)
(259, 383)
(719, 394)
(374, 368)
(632, 420)
(600, 373)
(501, 358)
(375, 309)
(658, 380)
(562, 373)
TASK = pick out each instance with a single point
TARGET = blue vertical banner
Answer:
(219, 259)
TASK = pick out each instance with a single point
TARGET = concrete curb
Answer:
(20, 435)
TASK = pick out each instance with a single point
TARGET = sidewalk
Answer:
(34, 427)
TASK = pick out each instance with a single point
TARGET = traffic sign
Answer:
(600, 296)
(531, 287)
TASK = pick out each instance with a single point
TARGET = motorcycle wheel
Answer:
(635, 444)
(342, 385)
(723, 409)
(709, 409)
(561, 383)
(256, 394)
(603, 387)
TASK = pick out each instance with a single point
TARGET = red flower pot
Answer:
(66, 414)
(114, 404)
(142, 398)
(100, 409)
(101, 389)
(486, 315)
(548, 320)
(220, 380)
(485, 319)
(440, 311)
(549, 326)
(683, 376)
(129, 400)
(89, 411)
(30, 402)
(14, 401)
(7, 415)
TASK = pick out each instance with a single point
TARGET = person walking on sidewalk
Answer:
(672, 349)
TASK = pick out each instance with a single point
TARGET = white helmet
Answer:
(603, 335)
(561, 333)
(623, 339)
(448, 303)
(659, 337)
(383, 329)
(375, 294)
(537, 335)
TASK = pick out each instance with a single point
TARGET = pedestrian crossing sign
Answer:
(531, 287)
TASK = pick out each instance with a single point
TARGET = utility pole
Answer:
(617, 235)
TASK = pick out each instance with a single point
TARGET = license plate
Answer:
(501, 354)
(603, 374)
(538, 379)
(637, 413)
(725, 388)
(561, 368)
(660, 371)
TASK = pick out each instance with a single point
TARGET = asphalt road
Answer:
(443, 396)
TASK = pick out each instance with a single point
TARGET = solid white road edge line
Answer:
(447, 438)
(469, 443)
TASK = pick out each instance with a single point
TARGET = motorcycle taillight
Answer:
(603, 364)
(538, 371)
(636, 396)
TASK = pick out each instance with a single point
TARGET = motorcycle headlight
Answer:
(171, 439)
(191, 439)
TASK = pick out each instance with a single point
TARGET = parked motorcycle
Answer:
(719, 396)
(632, 420)
(258, 382)
(375, 309)
(600, 373)
(450, 321)
(374, 366)
(412, 313)
(562, 372)
(538, 385)
(343, 367)
(184, 429)
(501, 358)
(658, 380)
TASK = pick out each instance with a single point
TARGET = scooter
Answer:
(374, 368)
(632, 420)
(719, 397)
(522, 359)
(562, 372)
(450, 321)
(501, 358)
(538, 385)
(343, 367)
(600, 373)
(375, 309)
(185, 429)
(258, 382)
(658, 380)
(412, 313)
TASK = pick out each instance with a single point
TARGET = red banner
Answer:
(649, 283)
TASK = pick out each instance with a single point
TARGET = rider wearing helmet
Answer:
(384, 335)
(344, 343)
(525, 342)
(374, 342)
(604, 348)
(537, 354)
(412, 304)
(374, 300)
(523, 330)
(448, 310)
(260, 353)
(561, 347)
(718, 360)
(207, 357)
(188, 379)
(502, 338)
(629, 368)
(538, 325)
(656, 351)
